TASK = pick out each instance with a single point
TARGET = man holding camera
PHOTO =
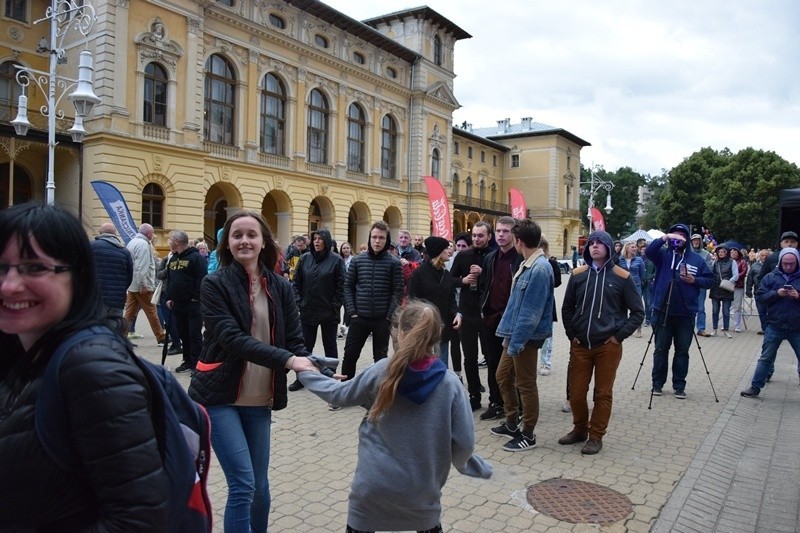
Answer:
(680, 275)
(779, 292)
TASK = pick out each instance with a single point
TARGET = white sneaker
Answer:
(566, 407)
(544, 371)
(727, 333)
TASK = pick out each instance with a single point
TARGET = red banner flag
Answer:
(598, 224)
(440, 209)
(518, 208)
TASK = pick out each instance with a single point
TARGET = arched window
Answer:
(468, 184)
(355, 138)
(388, 148)
(220, 101)
(153, 205)
(273, 116)
(437, 50)
(22, 185)
(435, 163)
(317, 128)
(155, 95)
(9, 90)
(277, 21)
(456, 185)
(494, 192)
(482, 190)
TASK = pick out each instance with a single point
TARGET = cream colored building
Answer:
(290, 108)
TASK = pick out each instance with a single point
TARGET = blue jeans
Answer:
(773, 337)
(240, 437)
(726, 313)
(701, 310)
(762, 315)
(678, 330)
(444, 352)
(546, 352)
(647, 295)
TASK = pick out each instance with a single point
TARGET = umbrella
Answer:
(734, 244)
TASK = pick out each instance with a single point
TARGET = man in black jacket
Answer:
(114, 267)
(319, 290)
(467, 268)
(499, 267)
(373, 290)
(185, 271)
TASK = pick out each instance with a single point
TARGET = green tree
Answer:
(687, 184)
(743, 195)
(621, 222)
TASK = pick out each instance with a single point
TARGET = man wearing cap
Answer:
(788, 239)
(697, 247)
(680, 274)
(779, 291)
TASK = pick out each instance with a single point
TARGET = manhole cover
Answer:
(578, 501)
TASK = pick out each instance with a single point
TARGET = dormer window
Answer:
(437, 50)
(321, 41)
(277, 21)
(359, 58)
(392, 73)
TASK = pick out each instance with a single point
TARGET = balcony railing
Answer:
(273, 160)
(390, 183)
(359, 177)
(159, 133)
(222, 150)
(327, 170)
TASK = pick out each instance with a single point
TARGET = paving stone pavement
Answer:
(686, 465)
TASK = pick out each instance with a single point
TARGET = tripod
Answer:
(663, 324)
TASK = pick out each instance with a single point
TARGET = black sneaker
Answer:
(680, 394)
(493, 412)
(657, 391)
(184, 367)
(175, 350)
(475, 403)
(482, 363)
(296, 385)
(504, 431)
(520, 443)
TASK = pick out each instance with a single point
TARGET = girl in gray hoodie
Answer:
(419, 423)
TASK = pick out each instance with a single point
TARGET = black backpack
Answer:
(182, 429)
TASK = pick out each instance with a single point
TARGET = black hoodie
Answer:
(319, 283)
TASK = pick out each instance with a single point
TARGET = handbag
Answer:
(727, 285)
(156, 299)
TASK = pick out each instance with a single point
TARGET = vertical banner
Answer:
(598, 223)
(518, 208)
(116, 208)
(440, 209)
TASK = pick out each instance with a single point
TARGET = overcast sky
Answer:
(647, 83)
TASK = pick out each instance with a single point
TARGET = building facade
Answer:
(285, 107)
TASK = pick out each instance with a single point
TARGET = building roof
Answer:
(526, 128)
(478, 139)
(425, 13)
(352, 26)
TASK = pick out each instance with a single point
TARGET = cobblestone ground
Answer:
(646, 450)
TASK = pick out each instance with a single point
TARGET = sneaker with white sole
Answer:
(680, 394)
(657, 391)
(520, 443)
(544, 370)
(727, 334)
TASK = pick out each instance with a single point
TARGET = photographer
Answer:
(680, 274)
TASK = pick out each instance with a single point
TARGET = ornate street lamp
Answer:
(595, 185)
(64, 16)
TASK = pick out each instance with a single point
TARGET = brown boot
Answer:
(573, 437)
(592, 446)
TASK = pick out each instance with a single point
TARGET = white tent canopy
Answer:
(655, 233)
(638, 234)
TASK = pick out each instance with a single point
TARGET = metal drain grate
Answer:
(578, 501)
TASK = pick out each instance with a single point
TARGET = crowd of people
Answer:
(246, 313)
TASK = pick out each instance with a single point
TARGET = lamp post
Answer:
(595, 184)
(64, 16)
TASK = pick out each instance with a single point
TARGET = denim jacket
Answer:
(529, 313)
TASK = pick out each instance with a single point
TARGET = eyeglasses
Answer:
(32, 270)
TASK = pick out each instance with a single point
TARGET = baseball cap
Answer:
(696, 236)
(789, 235)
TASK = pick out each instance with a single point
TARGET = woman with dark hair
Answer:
(431, 282)
(724, 269)
(252, 338)
(48, 292)
(418, 424)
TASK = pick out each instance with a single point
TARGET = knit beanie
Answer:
(434, 246)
